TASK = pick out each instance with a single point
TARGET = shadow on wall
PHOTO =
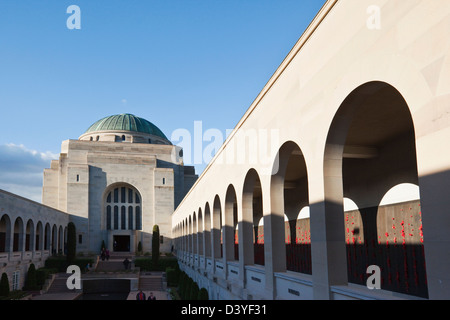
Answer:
(390, 237)
(407, 240)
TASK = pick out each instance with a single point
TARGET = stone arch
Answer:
(252, 212)
(29, 235)
(184, 236)
(47, 235)
(200, 231)
(39, 239)
(122, 207)
(370, 147)
(231, 248)
(288, 194)
(18, 235)
(60, 240)
(190, 236)
(217, 228)
(207, 231)
(179, 244)
(54, 239)
(194, 232)
(65, 240)
(5, 233)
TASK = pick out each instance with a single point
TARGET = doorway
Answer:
(121, 243)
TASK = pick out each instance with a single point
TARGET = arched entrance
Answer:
(370, 148)
(123, 217)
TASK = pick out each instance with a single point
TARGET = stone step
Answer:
(59, 284)
(151, 283)
(114, 263)
(110, 266)
(119, 256)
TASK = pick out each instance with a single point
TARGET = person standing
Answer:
(140, 295)
(126, 262)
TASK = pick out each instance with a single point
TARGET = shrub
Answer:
(148, 264)
(182, 284)
(139, 248)
(58, 263)
(187, 289)
(194, 291)
(43, 274)
(173, 276)
(14, 295)
(203, 294)
(71, 243)
(155, 244)
(31, 279)
(4, 285)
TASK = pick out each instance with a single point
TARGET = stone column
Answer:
(328, 251)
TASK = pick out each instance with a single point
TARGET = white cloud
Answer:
(21, 170)
(46, 156)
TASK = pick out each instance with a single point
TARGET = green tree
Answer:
(31, 280)
(194, 291)
(188, 288)
(4, 285)
(182, 284)
(203, 294)
(139, 248)
(71, 243)
(155, 245)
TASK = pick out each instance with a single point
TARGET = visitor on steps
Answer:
(140, 295)
(126, 263)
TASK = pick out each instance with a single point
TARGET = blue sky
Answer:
(171, 62)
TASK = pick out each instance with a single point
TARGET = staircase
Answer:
(59, 284)
(151, 283)
(115, 263)
(148, 281)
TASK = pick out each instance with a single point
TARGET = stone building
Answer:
(119, 179)
(29, 233)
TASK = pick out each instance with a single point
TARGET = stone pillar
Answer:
(274, 244)
(228, 236)
(215, 229)
(328, 251)
(435, 201)
(433, 166)
(245, 235)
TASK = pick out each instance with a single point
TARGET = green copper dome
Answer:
(126, 122)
